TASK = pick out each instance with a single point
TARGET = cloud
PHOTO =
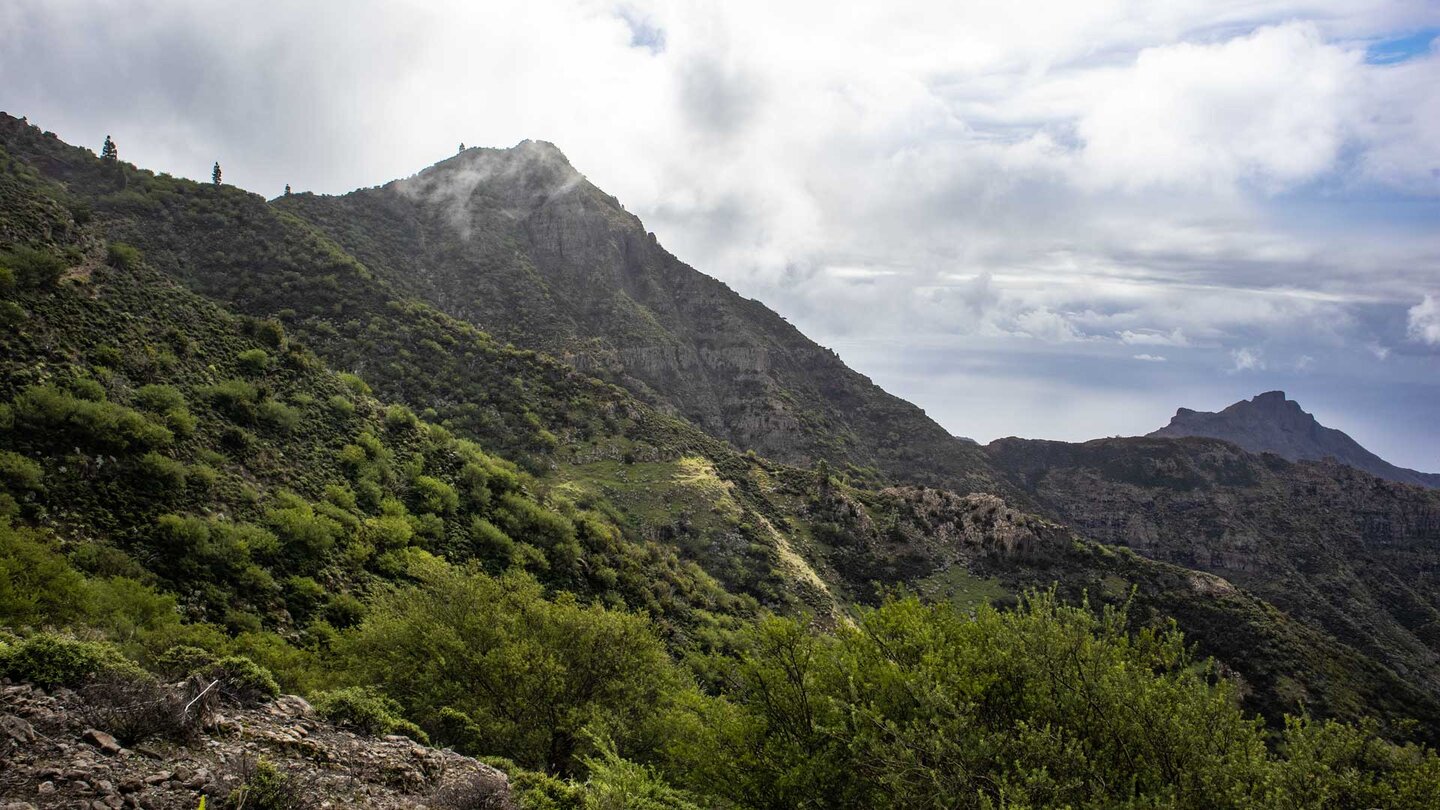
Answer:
(1247, 359)
(1149, 358)
(1423, 321)
(1267, 108)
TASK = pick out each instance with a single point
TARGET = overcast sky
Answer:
(1047, 218)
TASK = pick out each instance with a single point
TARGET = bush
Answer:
(37, 585)
(479, 645)
(399, 417)
(181, 660)
(162, 473)
(33, 268)
(278, 415)
(19, 474)
(159, 398)
(234, 398)
(122, 256)
(253, 361)
(340, 406)
(354, 383)
(368, 711)
(139, 709)
(63, 419)
(242, 681)
(264, 787)
(46, 659)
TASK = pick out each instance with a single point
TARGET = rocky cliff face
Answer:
(1271, 423)
(517, 242)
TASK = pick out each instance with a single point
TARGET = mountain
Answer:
(1270, 423)
(518, 243)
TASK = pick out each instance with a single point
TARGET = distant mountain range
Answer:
(1271, 423)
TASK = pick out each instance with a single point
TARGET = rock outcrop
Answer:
(51, 758)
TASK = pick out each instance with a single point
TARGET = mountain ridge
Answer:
(1272, 423)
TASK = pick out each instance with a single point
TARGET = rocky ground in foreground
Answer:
(51, 757)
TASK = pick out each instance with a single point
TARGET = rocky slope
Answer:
(1270, 423)
(52, 757)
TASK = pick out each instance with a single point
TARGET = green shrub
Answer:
(162, 473)
(366, 710)
(7, 280)
(264, 787)
(278, 415)
(243, 681)
(340, 406)
(180, 422)
(234, 398)
(435, 496)
(122, 256)
(88, 389)
(354, 383)
(37, 585)
(46, 659)
(109, 357)
(181, 660)
(33, 268)
(271, 333)
(159, 398)
(58, 417)
(253, 361)
(19, 474)
(399, 417)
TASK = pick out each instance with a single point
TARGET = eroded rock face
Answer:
(50, 759)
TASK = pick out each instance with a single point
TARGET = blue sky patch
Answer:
(1400, 49)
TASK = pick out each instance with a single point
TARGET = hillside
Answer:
(1270, 423)
(225, 438)
(1332, 546)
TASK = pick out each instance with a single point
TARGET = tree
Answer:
(215, 174)
(462, 146)
(287, 189)
(108, 151)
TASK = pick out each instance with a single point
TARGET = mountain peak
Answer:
(1273, 423)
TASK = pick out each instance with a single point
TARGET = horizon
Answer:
(1060, 234)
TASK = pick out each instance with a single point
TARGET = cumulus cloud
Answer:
(1268, 108)
(1150, 358)
(1423, 321)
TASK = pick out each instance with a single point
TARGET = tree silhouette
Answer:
(215, 174)
(462, 146)
(287, 189)
(108, 151)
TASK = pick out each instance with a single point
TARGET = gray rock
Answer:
(105, 742)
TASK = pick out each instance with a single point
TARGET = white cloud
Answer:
(1150, 337)
(1247, 359)
(1268, 108)
(1149, 358)
(1423, 321)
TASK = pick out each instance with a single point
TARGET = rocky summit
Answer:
(1271, 423)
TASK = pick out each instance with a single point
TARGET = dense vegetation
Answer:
(479, 547)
